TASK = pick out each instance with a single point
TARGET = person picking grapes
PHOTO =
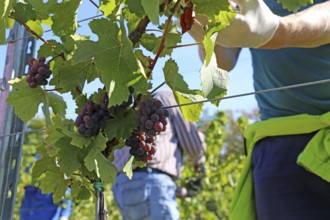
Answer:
(151, 193)
(287, 171)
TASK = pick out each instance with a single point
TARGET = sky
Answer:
(189, 66)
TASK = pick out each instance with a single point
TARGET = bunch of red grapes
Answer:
(39, 72)
(93, 117)
(152, 121)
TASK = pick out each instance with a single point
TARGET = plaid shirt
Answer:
(180, 137)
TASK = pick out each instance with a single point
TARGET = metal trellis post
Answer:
(22, 47)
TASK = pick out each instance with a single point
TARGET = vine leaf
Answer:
(190, 112)
(77, 139)
(108, 7)
(97, 145)
(36, 27)
(152, 9)
(96, 161)
(172, 77)
(215, 81)
(57, 103)
(64, 18)
(294, 5)
(152, 43)
(127, 169)
(79, 192)
(68, 156)
(124, 122)
(212, 8)
(106, 170)
(182, 92)
(41, 166)
(25, 12)
(135, 7)
(5, 7)
(113, 55)
(54, 182)
(42, 7)
(70, 77)
(26, 101)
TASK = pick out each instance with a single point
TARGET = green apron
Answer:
(315, 157)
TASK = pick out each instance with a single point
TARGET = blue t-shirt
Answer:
(289, 66)
(38, 206)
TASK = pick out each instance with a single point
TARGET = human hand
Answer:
(253, 26)
(201, 169)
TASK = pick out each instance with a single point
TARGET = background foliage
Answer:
(225, 154)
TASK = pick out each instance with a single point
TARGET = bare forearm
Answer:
(308, 28)
(226, 57)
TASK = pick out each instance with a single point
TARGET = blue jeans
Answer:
(149, 195)
(283, 189)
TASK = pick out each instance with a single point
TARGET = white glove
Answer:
(253, 26)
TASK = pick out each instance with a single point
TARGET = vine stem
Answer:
(162, 41)
(16, 17)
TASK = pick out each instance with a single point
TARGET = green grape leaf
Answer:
(36, 27)
(209, 44)
(25, 12)
(124, 122)
(212, 8)
(172, 77)
(141, 85)
(25, 100)
(295, 5)
(5, 7)
(108, 7)
(68, 156)
(128, 167)
(79, 192)
(114, 57)
(46, 51)
(41, 165)
(190, 112)
(77, 139)
(97, 145)
(42, 7)
(132, 23)
(53, 135)
(152, 43)
(54, 182)
(224, 17)
(96, 97)
(70, 77)
(80, 102)
(105, 169)
(57, 104)
(64, 18)
(135, 7)
(215, 81)
(152, 9)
